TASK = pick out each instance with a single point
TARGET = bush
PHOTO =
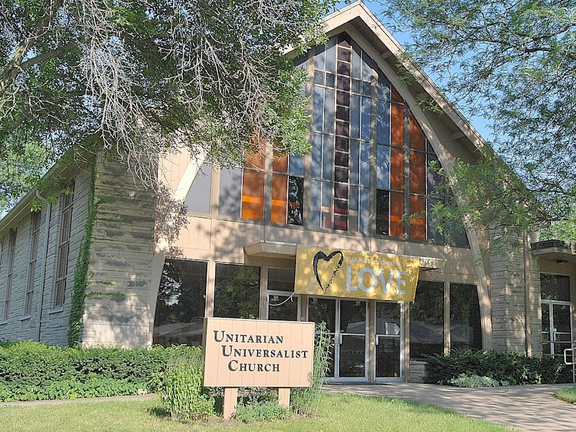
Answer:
(302, 399)
(259, 411)
(36, 371)
(512, 368)
(181, 385)
(472, 381)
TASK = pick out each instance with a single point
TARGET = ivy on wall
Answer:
(81, 270)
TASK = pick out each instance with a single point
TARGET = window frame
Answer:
(63, 250)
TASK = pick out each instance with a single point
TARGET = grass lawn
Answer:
(335, 413)
(567, 394)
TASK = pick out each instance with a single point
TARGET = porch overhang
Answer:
(555, 250)
(266, 249)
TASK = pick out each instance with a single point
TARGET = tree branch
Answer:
(14, 67)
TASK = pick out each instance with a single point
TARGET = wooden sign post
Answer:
(257, 353)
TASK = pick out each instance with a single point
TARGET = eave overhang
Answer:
(265, 249)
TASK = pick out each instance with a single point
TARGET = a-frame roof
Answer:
(358, 21)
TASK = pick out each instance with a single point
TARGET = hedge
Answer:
(36, 371)
(511, 368)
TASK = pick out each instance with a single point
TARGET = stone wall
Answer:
(117, 304)
(515, 283)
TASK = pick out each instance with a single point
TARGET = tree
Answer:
(142, 78)
(513, 62)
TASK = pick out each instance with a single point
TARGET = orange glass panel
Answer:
(417, 217)
(417, 173)
(396, 213)
(395, 95)
(279, 198)
(256, 156)
(253, 195)
(397, 125)
(396, 169)
(417, 138)
(280, 162)
(255, 160)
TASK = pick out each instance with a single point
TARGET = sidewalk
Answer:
(528, 408)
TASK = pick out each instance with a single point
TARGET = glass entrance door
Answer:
(556, 313)
(351, 350)
(388, 340)
(556, 327)
(346, 321)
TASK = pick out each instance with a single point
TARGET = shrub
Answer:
(258, 411)
(513, 368)
(472, 381)
(37, 371)
(302, 399)
(181, 385)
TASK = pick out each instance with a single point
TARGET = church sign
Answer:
(257, 353)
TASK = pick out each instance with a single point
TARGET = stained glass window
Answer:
(369, 165)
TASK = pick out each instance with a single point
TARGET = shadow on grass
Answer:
(160, 412)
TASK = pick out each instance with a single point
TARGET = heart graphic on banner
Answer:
(329, 266)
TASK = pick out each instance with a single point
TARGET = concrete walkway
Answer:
(528, 408)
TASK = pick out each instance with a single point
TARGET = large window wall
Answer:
(370, 170)
(428, 317)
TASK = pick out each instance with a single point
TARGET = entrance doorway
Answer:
(389, 338)
(557, 314)
(556, 327)
(367, 340)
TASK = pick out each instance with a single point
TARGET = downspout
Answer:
(527, 297)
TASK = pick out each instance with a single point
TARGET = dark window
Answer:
(34, 240)
(10, 277)
(282, 303)
(555, 287)
(66, 201)
(237, 291)
(322, 310)
(465, 327)
(427, 320)
(180, 305)
(287, 189)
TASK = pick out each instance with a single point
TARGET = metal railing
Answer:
(570, 359)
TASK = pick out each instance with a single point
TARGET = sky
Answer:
(404, 38)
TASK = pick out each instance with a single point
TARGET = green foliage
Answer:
(81, 269)
(567, 395)
(302, 399)
(261, 411)
(181, 385)
(20, 169)
(237, 292)
(488, 184)
(203, 74)
(512, 368)
(334, 414)
(472, 381)
(35, 371)
(513, 63)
